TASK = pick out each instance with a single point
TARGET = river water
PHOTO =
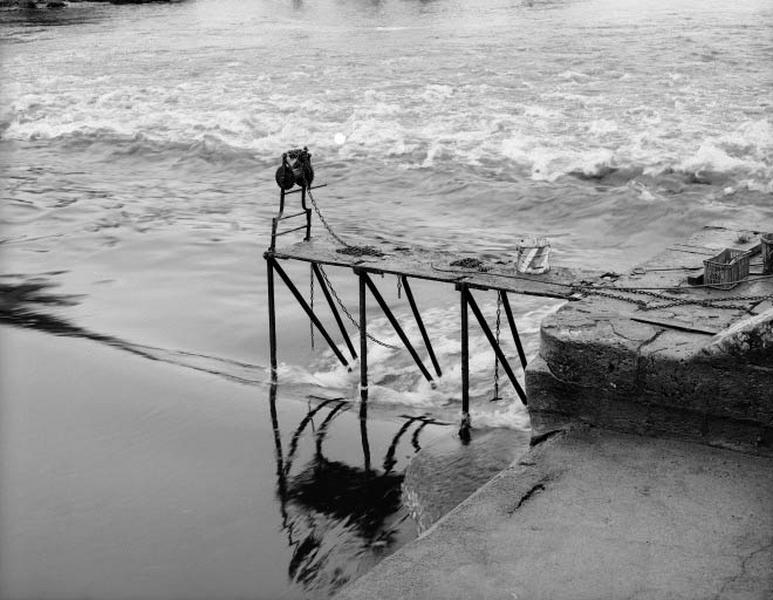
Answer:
(138, 145)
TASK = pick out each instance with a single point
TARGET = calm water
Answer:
(138, 145)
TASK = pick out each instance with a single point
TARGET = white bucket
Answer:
(533, 256)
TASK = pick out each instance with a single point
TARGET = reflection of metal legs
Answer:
(389, 459)
(322, 431)
(302, 425)
(281, 480)
(364, 431)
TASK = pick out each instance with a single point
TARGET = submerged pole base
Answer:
(464, 429)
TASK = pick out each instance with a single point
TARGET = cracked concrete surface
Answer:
(604, 361)
(599, 515)
(595, 511)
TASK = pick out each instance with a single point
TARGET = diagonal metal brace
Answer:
(420, 323)
(493, 341)
(333, 309)
(513, 328)
(307, 309)
(399, 330)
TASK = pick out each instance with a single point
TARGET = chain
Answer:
(496, 361)
(336, 237)
(311, 302)
(347, 248)
(349, 315)
(671, 301)
(399, 287)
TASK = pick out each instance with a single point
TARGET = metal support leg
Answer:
(309, 312)
(271, 314)
(497, 350)
(363, 339)
(307, 210)
(385, 307)
(513, 328)
(464, 428)
(364, 373)
(420, 323)
(333, 309)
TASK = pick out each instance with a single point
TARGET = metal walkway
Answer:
(406, 263)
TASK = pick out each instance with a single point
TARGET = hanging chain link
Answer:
(399, 287)
(496, 361)
(349, 316)
(336, 237)
(349, 249)
(352, 249)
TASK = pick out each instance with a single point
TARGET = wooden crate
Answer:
(727, 269)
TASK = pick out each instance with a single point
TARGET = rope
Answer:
(349, 316)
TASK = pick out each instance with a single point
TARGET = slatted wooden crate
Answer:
(727, 269)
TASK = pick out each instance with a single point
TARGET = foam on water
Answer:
(395, 381)
(138, 146)
(548, 122)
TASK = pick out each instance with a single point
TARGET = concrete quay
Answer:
(650, 475)
(698, 368)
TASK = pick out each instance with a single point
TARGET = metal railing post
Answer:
(464, 428)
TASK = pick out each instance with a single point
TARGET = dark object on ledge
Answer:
(725, 270)
(766, 241)
(296, 169)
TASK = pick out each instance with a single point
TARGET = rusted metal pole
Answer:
(464, 428)
(309, 312)
(271, 314)
(364, 372)
(308, 214)
(363, 337)
(420, 323)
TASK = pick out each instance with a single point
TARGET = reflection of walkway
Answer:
(28, 304)
(337, 517)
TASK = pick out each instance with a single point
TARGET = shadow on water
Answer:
(28, 302)
(338, 518)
